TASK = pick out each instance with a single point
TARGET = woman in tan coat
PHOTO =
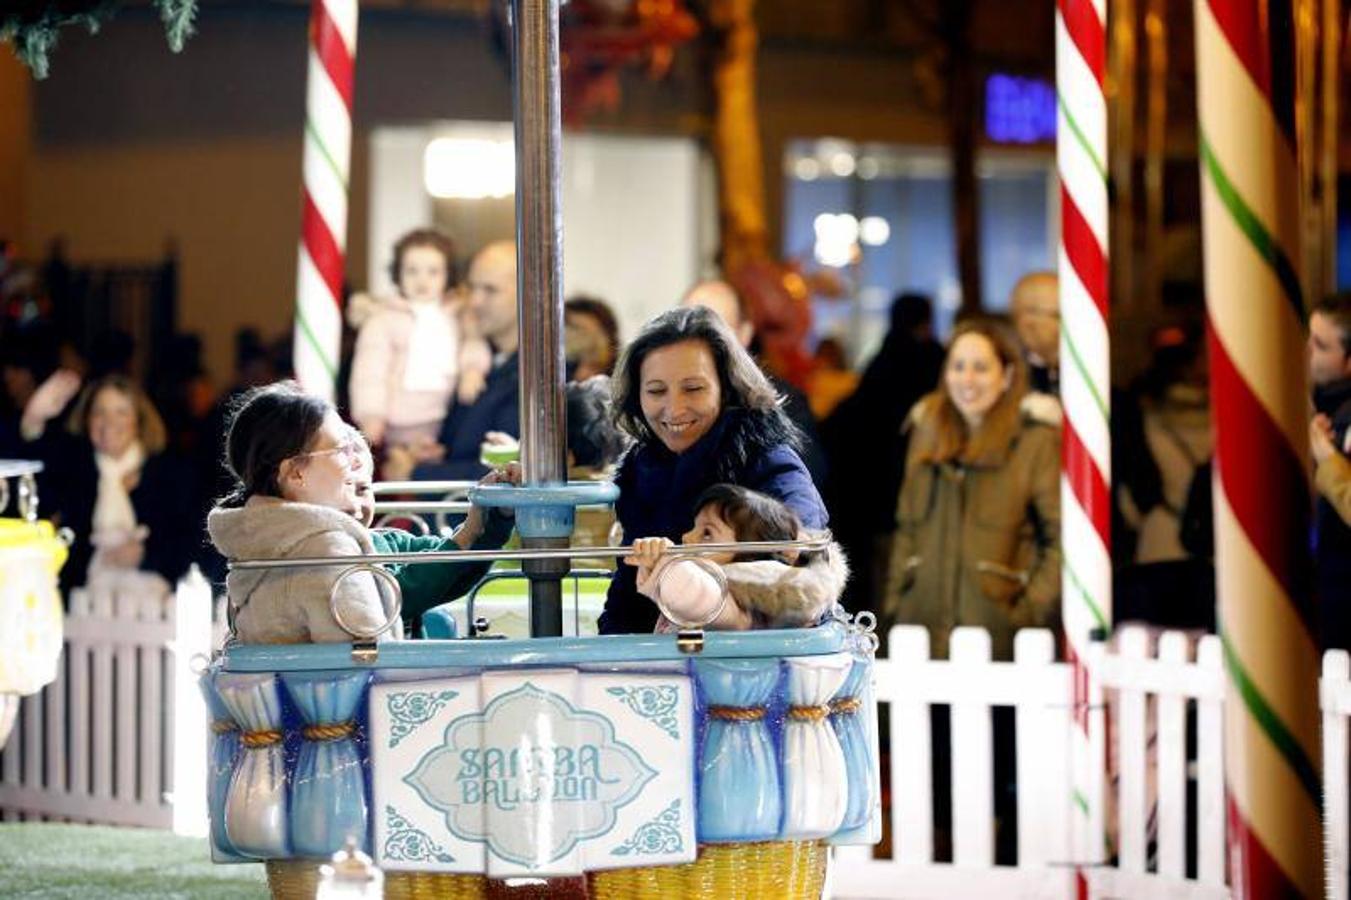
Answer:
(978, 517)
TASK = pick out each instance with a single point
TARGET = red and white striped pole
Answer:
(1250, 222)
(1086, 473)
(323, 218)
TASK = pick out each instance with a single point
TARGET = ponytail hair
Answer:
(270, 425)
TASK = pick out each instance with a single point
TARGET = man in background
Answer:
(1034, 306)
(494, 415)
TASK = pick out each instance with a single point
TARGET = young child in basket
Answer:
(416, 351)
(730, 592)
(427, 585)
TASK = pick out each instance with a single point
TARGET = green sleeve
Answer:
(425, 586)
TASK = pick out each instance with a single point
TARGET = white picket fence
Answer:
(120, 737)
(1142, 757)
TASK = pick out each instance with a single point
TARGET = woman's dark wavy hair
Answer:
(268, 426)
(743, 385)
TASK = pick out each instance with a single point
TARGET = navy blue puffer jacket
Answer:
(657, 491)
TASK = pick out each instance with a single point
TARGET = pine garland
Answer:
(32, 26)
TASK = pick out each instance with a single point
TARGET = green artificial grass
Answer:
(58, 862)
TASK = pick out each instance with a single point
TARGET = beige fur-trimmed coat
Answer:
(291, 606)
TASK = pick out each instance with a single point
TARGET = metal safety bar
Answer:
(422, 506)
(421, 487)
(819, 542)
(446, 506)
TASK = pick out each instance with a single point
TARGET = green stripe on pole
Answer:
(1276, 731)
(1252, 227)
(323, 151)
(1084, 374)
(313, 341)
(1083, 593)
(1079, 136)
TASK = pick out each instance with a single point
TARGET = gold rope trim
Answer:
(330, 732)
(808, 713)
(845, 706)
(252, 739)
(737, 713)
(224, 726)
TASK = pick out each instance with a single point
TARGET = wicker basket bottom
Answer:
(771, 870)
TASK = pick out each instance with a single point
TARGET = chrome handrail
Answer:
(818, 542)
(421, 506)
(421, 487)
(446, 506)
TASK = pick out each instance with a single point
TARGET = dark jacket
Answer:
(796, 407)
(462, 432)
(164, 500)
(1334, 401)
(657, 491)
(1332, 535)
(866, 444)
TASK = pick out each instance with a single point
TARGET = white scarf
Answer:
(113, 512)
(431, 361)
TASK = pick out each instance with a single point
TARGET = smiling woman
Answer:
(116, 489)
(701, 412)
(978, 517)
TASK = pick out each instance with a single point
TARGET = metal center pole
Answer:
(539, 284)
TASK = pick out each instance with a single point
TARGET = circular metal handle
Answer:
(380, 573)
(713, 569)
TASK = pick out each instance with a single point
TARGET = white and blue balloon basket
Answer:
(698, 764)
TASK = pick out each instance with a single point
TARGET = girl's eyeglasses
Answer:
(350, 451)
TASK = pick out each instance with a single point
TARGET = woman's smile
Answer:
(681, 394)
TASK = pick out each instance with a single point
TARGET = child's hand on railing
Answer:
(646, 553)
(472, 528)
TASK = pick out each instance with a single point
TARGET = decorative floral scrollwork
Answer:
(409, 844)
(657, 704)
(413, 708)
(661, 836)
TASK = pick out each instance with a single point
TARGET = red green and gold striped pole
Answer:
(1086, 471)
(323, 217)
(1250, 220)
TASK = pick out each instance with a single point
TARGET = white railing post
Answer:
(1171, 752)
(1336, 704)
(911, 749)
(1210, 815)
(1132, 737)
(1042, 720)
(192, 638)
(972, 755)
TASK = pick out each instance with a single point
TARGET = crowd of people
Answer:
(936, 467)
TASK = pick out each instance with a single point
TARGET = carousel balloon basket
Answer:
(716, 765)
